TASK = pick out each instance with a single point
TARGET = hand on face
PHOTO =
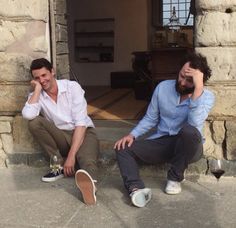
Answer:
(196, 75)
(36, 85)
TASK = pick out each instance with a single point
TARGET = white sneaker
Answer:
(141, 197)
(86, 185)
(173, 187)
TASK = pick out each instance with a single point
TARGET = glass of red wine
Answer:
(216, 169)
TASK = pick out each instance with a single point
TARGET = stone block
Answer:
(14, 67)
(218, 131)
(33, 160)
(33, 9)
(216, 5)
(60, 6)
(7, 143)
(231, 140)
(13, 97)
(199, 167)
(3, 158)
(62, 48)
(38, 160)
(17, 159)
(62, 65)
(5, 127)
(39, 44)
(221, 61)
(34, 29)
(23, 140)
(210, 148)
(10, 32)
(61, 33)
(215, 29)
(6, 118)
(225, 100)
(0, 143)
(61, 19)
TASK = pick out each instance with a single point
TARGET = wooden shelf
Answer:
(94, 40)
(95, 34)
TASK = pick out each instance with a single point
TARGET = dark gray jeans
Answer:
(179, 150)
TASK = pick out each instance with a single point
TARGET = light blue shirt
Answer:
(168, 115)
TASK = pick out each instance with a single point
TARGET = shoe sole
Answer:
(144, 200)
(172, 193)
(86, 186)
(52, 179)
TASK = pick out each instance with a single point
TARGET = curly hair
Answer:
(198, 61)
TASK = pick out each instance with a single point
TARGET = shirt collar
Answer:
(61, 89)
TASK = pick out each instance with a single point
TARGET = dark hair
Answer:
(40, 63)
(197, 61)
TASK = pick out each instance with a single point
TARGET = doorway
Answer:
(102, 35)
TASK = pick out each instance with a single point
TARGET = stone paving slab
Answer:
(27, 202)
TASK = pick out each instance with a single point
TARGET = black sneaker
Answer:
(53, 175)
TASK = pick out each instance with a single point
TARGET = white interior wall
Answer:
(131, 27)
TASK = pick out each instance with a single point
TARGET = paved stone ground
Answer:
(27, 202)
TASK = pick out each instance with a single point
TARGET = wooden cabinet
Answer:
(166, 62)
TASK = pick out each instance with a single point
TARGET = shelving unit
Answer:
(94, 40)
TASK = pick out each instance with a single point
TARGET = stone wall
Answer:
(29, 29)
(24, 27)
(61, 39)
(215, 38)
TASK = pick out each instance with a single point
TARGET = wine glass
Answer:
(216, 168)
(55, 163)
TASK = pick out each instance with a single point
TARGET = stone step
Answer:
(108, 132)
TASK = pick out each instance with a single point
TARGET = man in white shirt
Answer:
(58, 120)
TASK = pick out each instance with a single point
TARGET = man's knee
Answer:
(35, 123)
(190, 132)
(124, 153)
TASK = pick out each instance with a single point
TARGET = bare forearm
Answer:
(77, 140)
(35, 97)
(37, 90)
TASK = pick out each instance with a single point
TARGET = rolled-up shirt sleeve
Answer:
(79, 106)
(30, 111)
(200, 108)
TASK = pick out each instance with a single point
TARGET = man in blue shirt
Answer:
(177, 111)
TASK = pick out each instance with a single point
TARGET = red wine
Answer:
(218, 173)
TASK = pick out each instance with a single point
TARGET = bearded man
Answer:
(177, 111)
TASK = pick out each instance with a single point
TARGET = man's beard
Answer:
(183, 90)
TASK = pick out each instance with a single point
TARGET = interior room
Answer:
(120, 50)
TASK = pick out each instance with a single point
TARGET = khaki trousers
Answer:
(57, 142)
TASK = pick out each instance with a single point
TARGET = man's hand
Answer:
(36, 92)
(68, 166)
(36, 85)
(122, 142)
(197, 77)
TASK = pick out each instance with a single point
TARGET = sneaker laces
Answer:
(56, 170)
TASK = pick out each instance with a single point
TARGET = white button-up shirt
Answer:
(69, 111)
